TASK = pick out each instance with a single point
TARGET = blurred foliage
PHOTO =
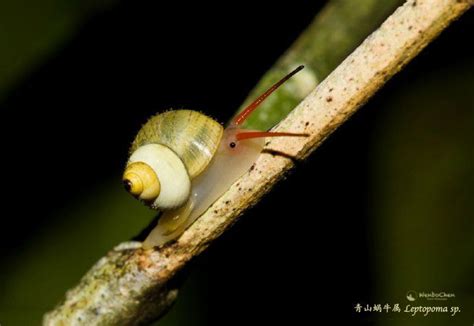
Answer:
(423, 183)
(30, 31)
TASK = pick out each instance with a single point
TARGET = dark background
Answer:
(372, 234)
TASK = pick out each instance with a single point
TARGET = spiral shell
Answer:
(193, 136)
(170, 150)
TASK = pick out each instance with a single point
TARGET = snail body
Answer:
(181, 161)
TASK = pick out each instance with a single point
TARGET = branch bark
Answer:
(132, 286)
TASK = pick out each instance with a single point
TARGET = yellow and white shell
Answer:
(169, 151)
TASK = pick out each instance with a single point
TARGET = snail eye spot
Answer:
(232, 145)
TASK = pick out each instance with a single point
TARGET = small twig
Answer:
(134, 286)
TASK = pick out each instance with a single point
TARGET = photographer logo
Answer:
(412, 295)
(440, 296)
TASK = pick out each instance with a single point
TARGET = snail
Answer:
(181, 161)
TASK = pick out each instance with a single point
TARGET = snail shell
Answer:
(169, 151)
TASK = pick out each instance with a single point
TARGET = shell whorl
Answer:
(193, 136)
(157, 176)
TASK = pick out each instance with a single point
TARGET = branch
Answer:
(338, 29)
(133, 286)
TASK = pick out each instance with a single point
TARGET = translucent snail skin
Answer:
(181, 161)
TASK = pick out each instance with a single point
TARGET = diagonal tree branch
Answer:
(133, 286)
